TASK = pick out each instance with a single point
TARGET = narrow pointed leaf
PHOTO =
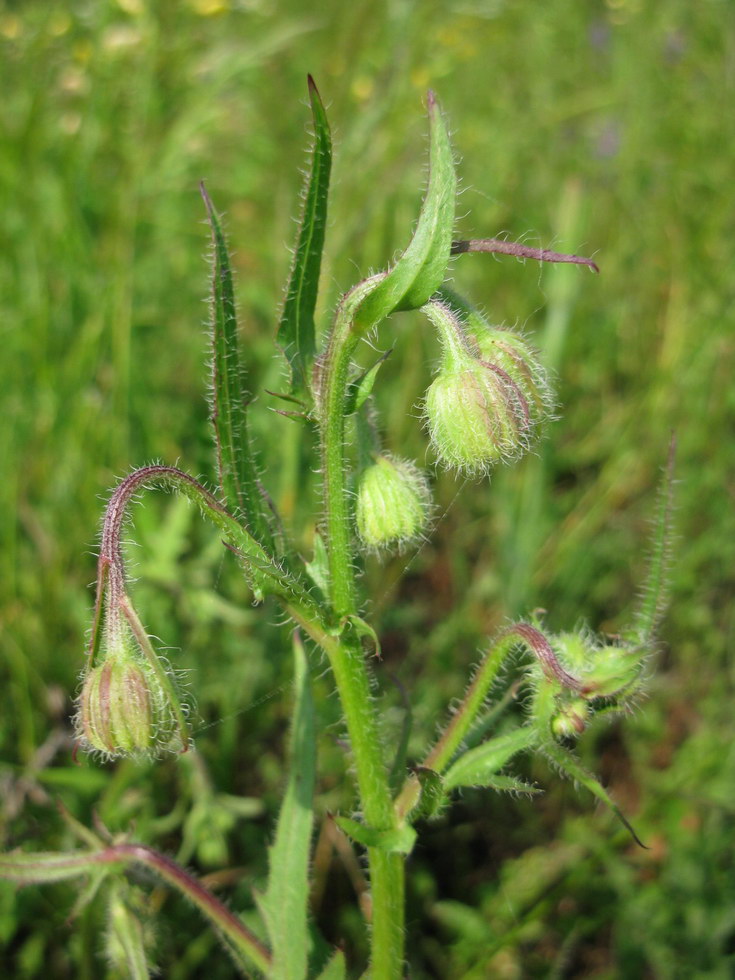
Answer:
(433, 793)
(478, 765)
(510, 784)
(296, 331)
(335, 968)
(285, 903)
(359, 390)
(238, 476)
(420, 270)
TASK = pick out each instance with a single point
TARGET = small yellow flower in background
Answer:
(11, 26)
(210, 8)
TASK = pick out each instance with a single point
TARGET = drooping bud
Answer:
(478, 413)
(513, 354)
(393, 500)
(126, 706)
(605, 669)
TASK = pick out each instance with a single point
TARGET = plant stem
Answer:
(345, 653)
(347, 660)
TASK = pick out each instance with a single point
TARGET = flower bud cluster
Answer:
(393, 502)
(491, 392)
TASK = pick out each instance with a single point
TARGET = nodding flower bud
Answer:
(393, 501)
(605, 670)
(513, 354)
(481, 408)
(126, 707)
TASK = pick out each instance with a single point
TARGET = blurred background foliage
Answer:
(603, 128)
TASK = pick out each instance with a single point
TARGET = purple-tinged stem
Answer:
(501, 247)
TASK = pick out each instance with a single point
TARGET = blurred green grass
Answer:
(601, 127)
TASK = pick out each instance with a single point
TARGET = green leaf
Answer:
(421, 269)
(365, 631)
(398, 840)
(238, 477)
(481, 764)
(285, 903)
(433, 793)
(335, 968)
(511, 784)
(358, 391)
(296, 333)
(318, 567)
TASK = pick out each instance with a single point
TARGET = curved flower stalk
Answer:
(129, 702)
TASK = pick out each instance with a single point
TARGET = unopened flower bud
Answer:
(606, 670)
(571, 719)
(513, 354)
(392, 503)
(124, 707)
(478, 412)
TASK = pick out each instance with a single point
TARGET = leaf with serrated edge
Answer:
(296, 332)
(285, 903)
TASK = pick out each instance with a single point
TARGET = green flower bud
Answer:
(478, 411)
(513, 354)
(393, 501)
(124, 708)
(571, 719)
(606, 670)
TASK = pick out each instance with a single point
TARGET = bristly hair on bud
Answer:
(128, 704)
(393, 503)
(488, 397)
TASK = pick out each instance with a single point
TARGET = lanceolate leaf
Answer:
(285, 904)
(478, 766)
(296, 332)
(335, 968)
(237, 472)
(420, 271)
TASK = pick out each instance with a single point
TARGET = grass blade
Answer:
(296, 332)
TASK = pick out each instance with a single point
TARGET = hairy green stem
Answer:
(346, 655)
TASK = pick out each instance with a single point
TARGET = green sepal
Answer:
(238, 476)
(433, 793)
(284, 906)
(397, 840)
(296, 332)
(421, 269)
(359, 390)
(335, 968)
(477, 766)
